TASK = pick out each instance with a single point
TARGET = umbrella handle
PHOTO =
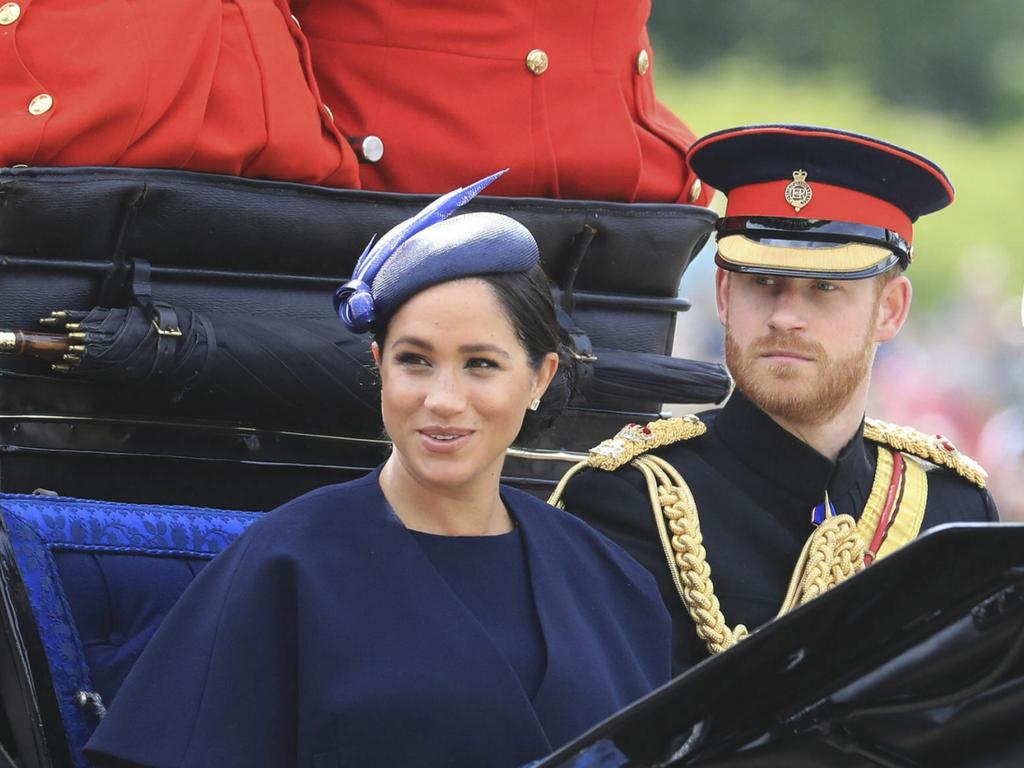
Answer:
(33, 344)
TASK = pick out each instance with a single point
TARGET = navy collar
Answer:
(784, 460)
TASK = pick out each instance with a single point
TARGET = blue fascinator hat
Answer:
(431, 248)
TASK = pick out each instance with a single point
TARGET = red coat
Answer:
(207, 85)
(447, 87)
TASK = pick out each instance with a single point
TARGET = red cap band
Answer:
(827, 202)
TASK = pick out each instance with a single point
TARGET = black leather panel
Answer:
(211, 222)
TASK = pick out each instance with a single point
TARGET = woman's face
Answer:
(455, 385)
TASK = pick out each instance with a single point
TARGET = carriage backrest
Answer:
(86, 584)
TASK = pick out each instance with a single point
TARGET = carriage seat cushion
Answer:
(100, 577)
(117, 602)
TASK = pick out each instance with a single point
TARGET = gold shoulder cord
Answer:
(837, 547)
(671, 500)
(833, 552)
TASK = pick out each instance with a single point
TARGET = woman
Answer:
(422, 615)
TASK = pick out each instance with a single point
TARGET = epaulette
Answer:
(634, 440)
(934, 448)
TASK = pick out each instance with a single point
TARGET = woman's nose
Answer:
(445, 396)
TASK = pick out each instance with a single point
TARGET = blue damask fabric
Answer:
(100, 577)
(103, 526)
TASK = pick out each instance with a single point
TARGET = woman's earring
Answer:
(535, 404)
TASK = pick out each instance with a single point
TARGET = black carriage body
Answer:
(81, 237)
(859, 677)
(917, 661)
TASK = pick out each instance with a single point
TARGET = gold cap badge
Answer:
(798, 191)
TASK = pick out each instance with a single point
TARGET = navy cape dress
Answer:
(324, 636)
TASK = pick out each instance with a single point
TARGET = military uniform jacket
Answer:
(222, 86)
(325, 637)
(755, 486)
(561, 93)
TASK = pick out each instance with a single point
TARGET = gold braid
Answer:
(832, 553)
(934, 448)
(681, 540)
(687, 557)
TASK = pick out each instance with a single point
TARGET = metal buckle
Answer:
(581, 358)
(165, 331)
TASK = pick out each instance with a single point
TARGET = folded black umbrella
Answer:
(315, 366)
(664, 379)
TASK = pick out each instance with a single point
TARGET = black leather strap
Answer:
(163, 317)
(117, 285)
(578, 251)
(580, 352)
(165, 321)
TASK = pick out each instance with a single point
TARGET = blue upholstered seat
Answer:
(99, 578)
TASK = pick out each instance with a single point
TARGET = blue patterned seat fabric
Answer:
(100, 577)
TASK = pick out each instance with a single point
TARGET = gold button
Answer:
(296, 21)
(643, 61)
(40, 104)
(9, 13)
(537, 61)
(695, 190)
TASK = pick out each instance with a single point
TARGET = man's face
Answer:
(798, 348)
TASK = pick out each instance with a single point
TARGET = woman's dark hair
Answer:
(526, 298)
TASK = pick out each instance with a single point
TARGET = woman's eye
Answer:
(482, 362)
(411, 358)
(825, 285)
(769, 281)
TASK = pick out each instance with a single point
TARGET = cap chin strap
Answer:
(813, 234)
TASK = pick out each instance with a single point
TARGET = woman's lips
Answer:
(444, 439)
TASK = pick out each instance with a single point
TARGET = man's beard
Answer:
(774, 388)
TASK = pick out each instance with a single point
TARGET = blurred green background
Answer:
(942, 78)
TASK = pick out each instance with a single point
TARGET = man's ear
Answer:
(375, 351)
(722, 294)
(893, 308)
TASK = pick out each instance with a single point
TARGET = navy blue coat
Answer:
(325, 637)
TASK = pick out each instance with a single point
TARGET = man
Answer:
(788, 485)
